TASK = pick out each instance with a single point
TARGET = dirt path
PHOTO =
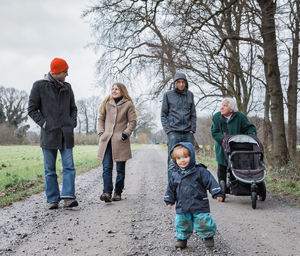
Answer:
(141, 224)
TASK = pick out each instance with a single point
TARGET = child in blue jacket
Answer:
(188, 188)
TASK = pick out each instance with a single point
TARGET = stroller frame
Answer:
(245, 171)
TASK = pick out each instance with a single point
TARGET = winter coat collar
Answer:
(118, 99)
(50, 78)
(181, 92)
(233, 115)
(122, 101)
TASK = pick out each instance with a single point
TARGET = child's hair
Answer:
(178, 151)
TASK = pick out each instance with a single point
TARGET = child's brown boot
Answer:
(181, 244)
(209, 242)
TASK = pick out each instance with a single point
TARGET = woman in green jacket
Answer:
(228, 121)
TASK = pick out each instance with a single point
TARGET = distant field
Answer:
(22, 169)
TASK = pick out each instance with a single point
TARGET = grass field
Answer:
(22, 169)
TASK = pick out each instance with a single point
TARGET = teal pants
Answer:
(203, 223)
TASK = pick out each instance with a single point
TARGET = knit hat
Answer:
(58, 65)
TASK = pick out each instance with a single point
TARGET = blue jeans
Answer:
(173, 138)
(107, 165)
(68, 176)
(203, 223)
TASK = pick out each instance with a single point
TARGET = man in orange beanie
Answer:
(52, 106)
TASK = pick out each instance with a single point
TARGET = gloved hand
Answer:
(124, 136)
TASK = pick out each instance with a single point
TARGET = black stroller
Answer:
(245, 167)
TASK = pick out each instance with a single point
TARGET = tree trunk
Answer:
(79, 126)
(267, 127)
(86, 116)
(95, 124)
(292, 90)
(279, 145)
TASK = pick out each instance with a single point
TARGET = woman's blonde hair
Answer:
(124, 94)
(179, 151)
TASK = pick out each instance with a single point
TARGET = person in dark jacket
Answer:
(178, 115)
(228, 121)
(52, 106)
(187, 188)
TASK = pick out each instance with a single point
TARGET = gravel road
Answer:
(141, 224)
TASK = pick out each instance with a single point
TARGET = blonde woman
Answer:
(116, 122)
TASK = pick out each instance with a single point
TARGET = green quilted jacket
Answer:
(237, 124)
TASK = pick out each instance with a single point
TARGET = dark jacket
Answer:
(178, 113)
(237, 124)
(53, 102)
(188, 188)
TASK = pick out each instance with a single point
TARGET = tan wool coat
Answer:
(119, 118)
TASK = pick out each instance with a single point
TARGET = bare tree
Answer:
(83, 114)
(293, 77)
(218, 43)
(93, 104)
(13, 106)
(232, 70)
(279, 145)
(203, 134)
(164, 36)
(88, 110)
(159, 137)
(145, 122)
(134, 38)
(7, 135)
(2, 114)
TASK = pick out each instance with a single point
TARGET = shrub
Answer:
(7, 135)
(90, 139)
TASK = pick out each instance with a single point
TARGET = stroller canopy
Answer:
(240, 138)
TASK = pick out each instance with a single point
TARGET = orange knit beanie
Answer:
(58, 65)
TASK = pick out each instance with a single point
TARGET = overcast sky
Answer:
(33, 32)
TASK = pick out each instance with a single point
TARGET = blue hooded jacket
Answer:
(178, 112)
(188, 187)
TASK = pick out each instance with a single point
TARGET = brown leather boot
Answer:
(116, 197)
(181, 244)
(209, 242)
(105, 197)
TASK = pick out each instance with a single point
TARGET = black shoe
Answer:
(181, 244)
(53, 205)
(105, 197)
(209, 242)
(69, 203)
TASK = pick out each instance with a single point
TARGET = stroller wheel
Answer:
(263, 191)
(223, 187)
(253, 199)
